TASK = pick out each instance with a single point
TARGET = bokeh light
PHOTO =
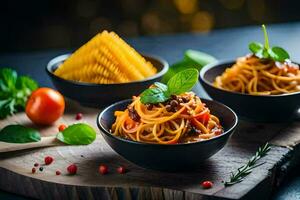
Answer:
(202, 21)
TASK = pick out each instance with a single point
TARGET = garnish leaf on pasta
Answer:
(265, 51)
(161, 86)
(154, 95)
(181, 82)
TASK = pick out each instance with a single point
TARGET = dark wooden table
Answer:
(223, 44)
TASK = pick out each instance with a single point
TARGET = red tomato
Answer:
(103, 169)
(207, 184)
(45, 106)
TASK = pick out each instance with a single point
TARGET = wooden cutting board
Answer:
(139, 183)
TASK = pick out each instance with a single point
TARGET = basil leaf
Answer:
(77, 134)
(278, 54)
(183, 81)
(161, 86)
(255, 47)
(19, 134)
(263, 53)
(154, 95)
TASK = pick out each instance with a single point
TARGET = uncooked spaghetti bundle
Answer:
(105, 59)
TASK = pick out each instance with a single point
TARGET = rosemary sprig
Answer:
(243, 171)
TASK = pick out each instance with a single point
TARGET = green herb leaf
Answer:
(274, 53)
(14, 91)
(267, 46)
(243, 171)
(77, 134)
(278, 54)
(161, 86)
(183, 81)
(8, 78)
(19, 134)
(263, 53)
(154, 95)
(192, 59)
(198, 58)
(255, 47)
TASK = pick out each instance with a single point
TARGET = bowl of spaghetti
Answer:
(257, 89)
(263, 86)
(175, 135)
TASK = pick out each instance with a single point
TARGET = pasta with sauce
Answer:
(182, 119)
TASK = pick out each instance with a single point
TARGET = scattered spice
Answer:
(48, 160)
(121, 170)
(72, 169)
(41, 169)
(78, 116)
(207, 184)
(103, 169)
(58, 173)
(33, 170)
(62, 127)
(36, 164)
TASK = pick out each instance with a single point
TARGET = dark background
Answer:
(28, 25)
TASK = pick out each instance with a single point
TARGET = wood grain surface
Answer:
(139, 183)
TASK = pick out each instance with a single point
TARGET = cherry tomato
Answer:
(121, 170)
(103, 169)
(45, 106)
(207, 184)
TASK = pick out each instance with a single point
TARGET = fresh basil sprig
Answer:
(265, 51)
(16, 133)
(14, 91)
(181, 82)
(77, 134)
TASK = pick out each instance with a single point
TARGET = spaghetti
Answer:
(256, 76)
(182, 119)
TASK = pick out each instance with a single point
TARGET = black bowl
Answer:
(96, 95)
(173, 157)
(271, 108)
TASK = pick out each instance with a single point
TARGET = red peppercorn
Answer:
(78, 116)
(36, 164)
(48, 160)
(103, 169)
(207, 184)
(57, 172)
(62, 127)
(33, 170)
(72, 169)
(121, 170)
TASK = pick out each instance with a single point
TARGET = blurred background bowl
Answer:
(174, 157)
(271, 108)
(99, 95)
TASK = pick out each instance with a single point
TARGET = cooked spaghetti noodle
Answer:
(257, 76)
(182, 119)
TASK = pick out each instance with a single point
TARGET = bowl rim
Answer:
(231, 61)
(60, 58)
(107, 133)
